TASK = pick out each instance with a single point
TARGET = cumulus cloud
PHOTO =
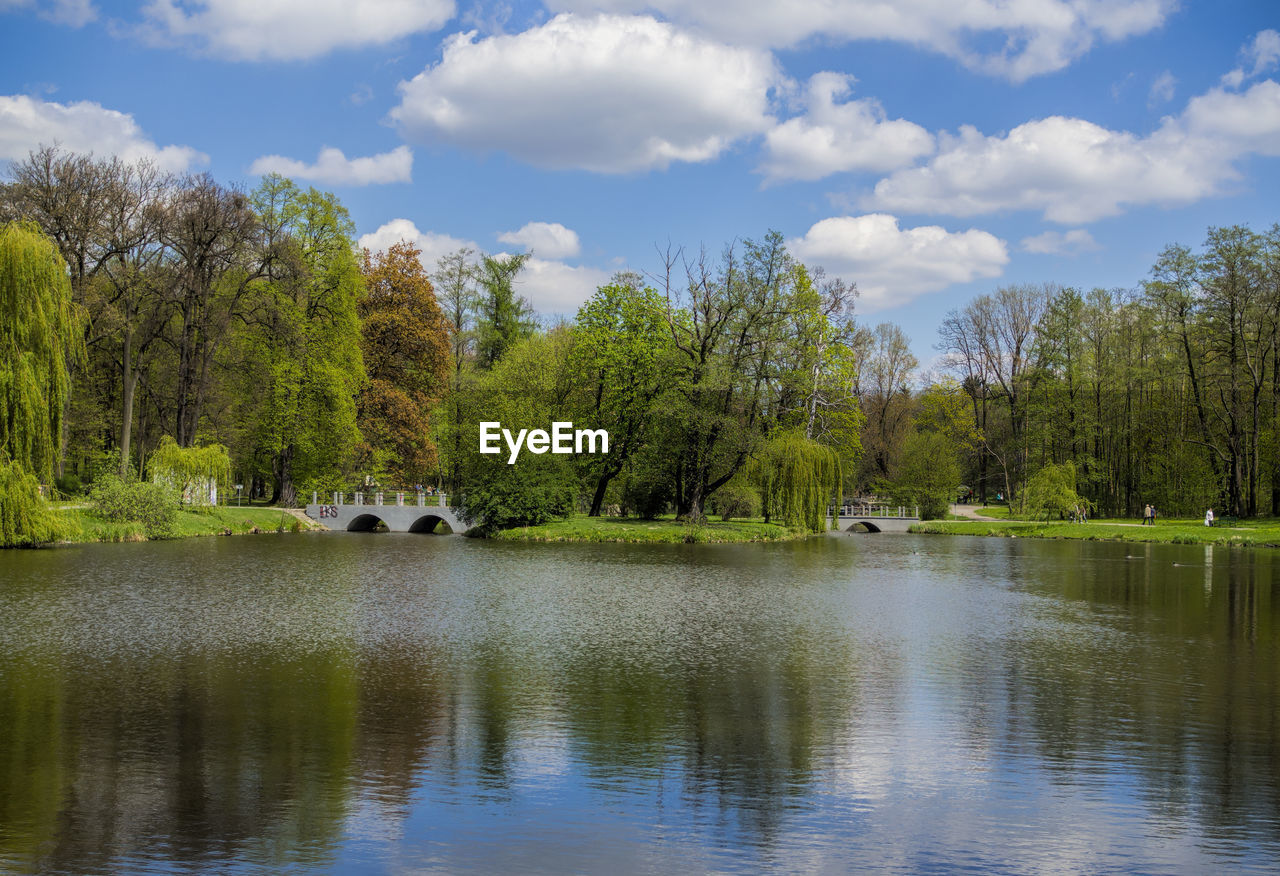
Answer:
(75, 13)
(1059, 242)
(27, 123)
(554, 287)
(605, 93)
(1259, 55)
(893, 265)
(547, 239)
(289, 30)
(837, 137)
(434, 246)
(1035, 37)
(332, 167)
(1074, 171)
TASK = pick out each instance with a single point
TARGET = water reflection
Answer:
(391, 702)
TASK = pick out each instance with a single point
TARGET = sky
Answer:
(928, 151)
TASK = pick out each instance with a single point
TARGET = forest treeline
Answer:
(737, 383)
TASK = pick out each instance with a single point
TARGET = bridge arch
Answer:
(862, 526)
(367, 523)
(430, 523)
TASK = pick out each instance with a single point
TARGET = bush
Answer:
(529, 493)
(68, 485)
(118, 500)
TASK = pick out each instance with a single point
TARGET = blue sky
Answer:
(927, 150)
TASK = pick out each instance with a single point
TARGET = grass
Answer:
(1253, 533)
(215, 521)
(660, 531)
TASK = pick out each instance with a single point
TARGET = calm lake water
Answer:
(399, 703)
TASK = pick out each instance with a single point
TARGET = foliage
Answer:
(120, 500)
(25, 518)
(737, 499)
(405, 345)
(668, 531)
(190, 471)
(39, 340)
(1051, 492)
(799, 479)
(505, 318)
(531, 492)
(927, 474)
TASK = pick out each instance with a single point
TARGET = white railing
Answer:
(870, 510)
(379, 498)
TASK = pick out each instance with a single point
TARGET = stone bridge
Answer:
(405, 512)
(872, 518)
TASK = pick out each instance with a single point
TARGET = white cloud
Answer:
(288, 30)
(604, 93)
(332, 167)
(1260, 55)
(1037, 36)
(27, 123)
(551, 286)
(1162, 89)
(893, 265)
(433, 245)
(75, 13)
(547, 239)
(1059, 242)
(1075, 171)
(554, 287)
(837, 137)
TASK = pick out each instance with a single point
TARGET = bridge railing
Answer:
(399, 498)
(869, 510)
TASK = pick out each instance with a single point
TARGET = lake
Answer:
(400, 703)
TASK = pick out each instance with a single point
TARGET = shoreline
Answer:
(631, 530)
(224, 520)
(1265, 535)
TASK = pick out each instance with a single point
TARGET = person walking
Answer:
(1208, 517)
(1146, 516)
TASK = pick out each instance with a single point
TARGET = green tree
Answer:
(927, 474)
(504, 316)
(799, 479)
(621, 348)
(39, 339)
(305, 343)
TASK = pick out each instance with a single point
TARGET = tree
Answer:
(799, 480)
(304, 348)
(40, 338)
(1052, 490)
(455, 280)
(621, 347)
(504, 317)
(927, 474)
(405, 345)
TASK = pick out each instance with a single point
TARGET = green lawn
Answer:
(217, 521)
(1257, 533)
(663, 530)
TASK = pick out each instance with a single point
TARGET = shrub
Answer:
(119, 500)
(736, 499)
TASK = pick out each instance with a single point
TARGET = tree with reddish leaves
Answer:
(405, 342)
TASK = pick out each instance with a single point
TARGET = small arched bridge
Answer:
(872, 518)
(406, 512)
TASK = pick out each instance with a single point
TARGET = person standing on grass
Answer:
(1146, 515)
(1208, 517)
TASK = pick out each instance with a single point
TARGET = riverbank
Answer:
(662, 530)
(1249, 533)
(87, 527)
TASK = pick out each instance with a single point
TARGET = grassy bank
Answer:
(1252, 533)
(216, 521)
(663, 530)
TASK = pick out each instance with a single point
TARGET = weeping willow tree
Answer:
(40, 338)
(194, 473)
(25, 519)
(798, 479)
